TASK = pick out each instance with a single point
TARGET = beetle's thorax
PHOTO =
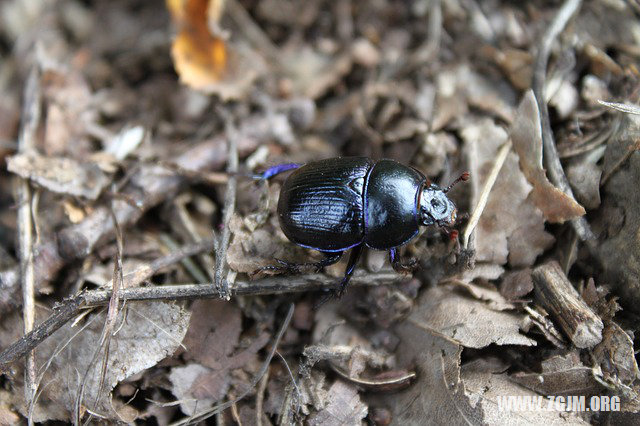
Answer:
(436, 208)
(391, 193)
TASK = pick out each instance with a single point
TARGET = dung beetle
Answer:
(347, 203)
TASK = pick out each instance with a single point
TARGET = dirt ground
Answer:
(134, 223)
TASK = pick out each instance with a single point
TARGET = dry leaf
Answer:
(516, 284)
(344, 407)
(470, 322)
(69, 110)
(211, 341)
(151, 332)
(584, 176)
(511, 227)
(60, 175)
(526, 134)
(182, 381)
(438, 395)
(484, 387)
(201, 55)
(561, 375)
(313, 73)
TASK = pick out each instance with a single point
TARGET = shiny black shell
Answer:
(336, 204)
(391, 204)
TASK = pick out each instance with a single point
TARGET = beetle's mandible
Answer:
(347, 203)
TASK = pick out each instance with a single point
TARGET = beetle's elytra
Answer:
(342, 204)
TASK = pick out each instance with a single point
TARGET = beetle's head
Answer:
(436, 208)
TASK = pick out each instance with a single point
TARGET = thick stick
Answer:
(556, 294)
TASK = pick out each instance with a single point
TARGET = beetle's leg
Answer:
(398, 265)
(294, 268)
(351, 265)
(276, 170)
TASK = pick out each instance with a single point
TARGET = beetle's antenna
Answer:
(463, 177)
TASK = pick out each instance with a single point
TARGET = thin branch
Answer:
(486, 190)
(31, 115)
(551, 157)
(108, 328)
(229, 208)
(69, 308)
(262, 387)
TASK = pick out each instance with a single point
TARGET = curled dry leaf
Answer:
(511, 226)
(151, 332)
(438, 394)
(344, 407)
(485, 387)
(200, 52)
(526, 135)
(472, 323)
(60, 175)
(561, 375)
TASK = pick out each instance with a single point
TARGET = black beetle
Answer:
(347, 203)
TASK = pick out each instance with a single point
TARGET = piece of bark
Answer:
(555, 293)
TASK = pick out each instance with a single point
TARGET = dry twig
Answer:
(556, 294)
(229, 207)
(551, 157)
(73, 306)
(486, 190)
(31, 115)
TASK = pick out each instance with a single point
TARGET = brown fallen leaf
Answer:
(511, 227)
(488, 388)
(151, 332)
(60, 175)
(211, 342)
(70, 109)
(526, 135)
(201, 55)
(438, 395)
(561, 375)
(471, 323)
(516, 284)
(344, 407)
